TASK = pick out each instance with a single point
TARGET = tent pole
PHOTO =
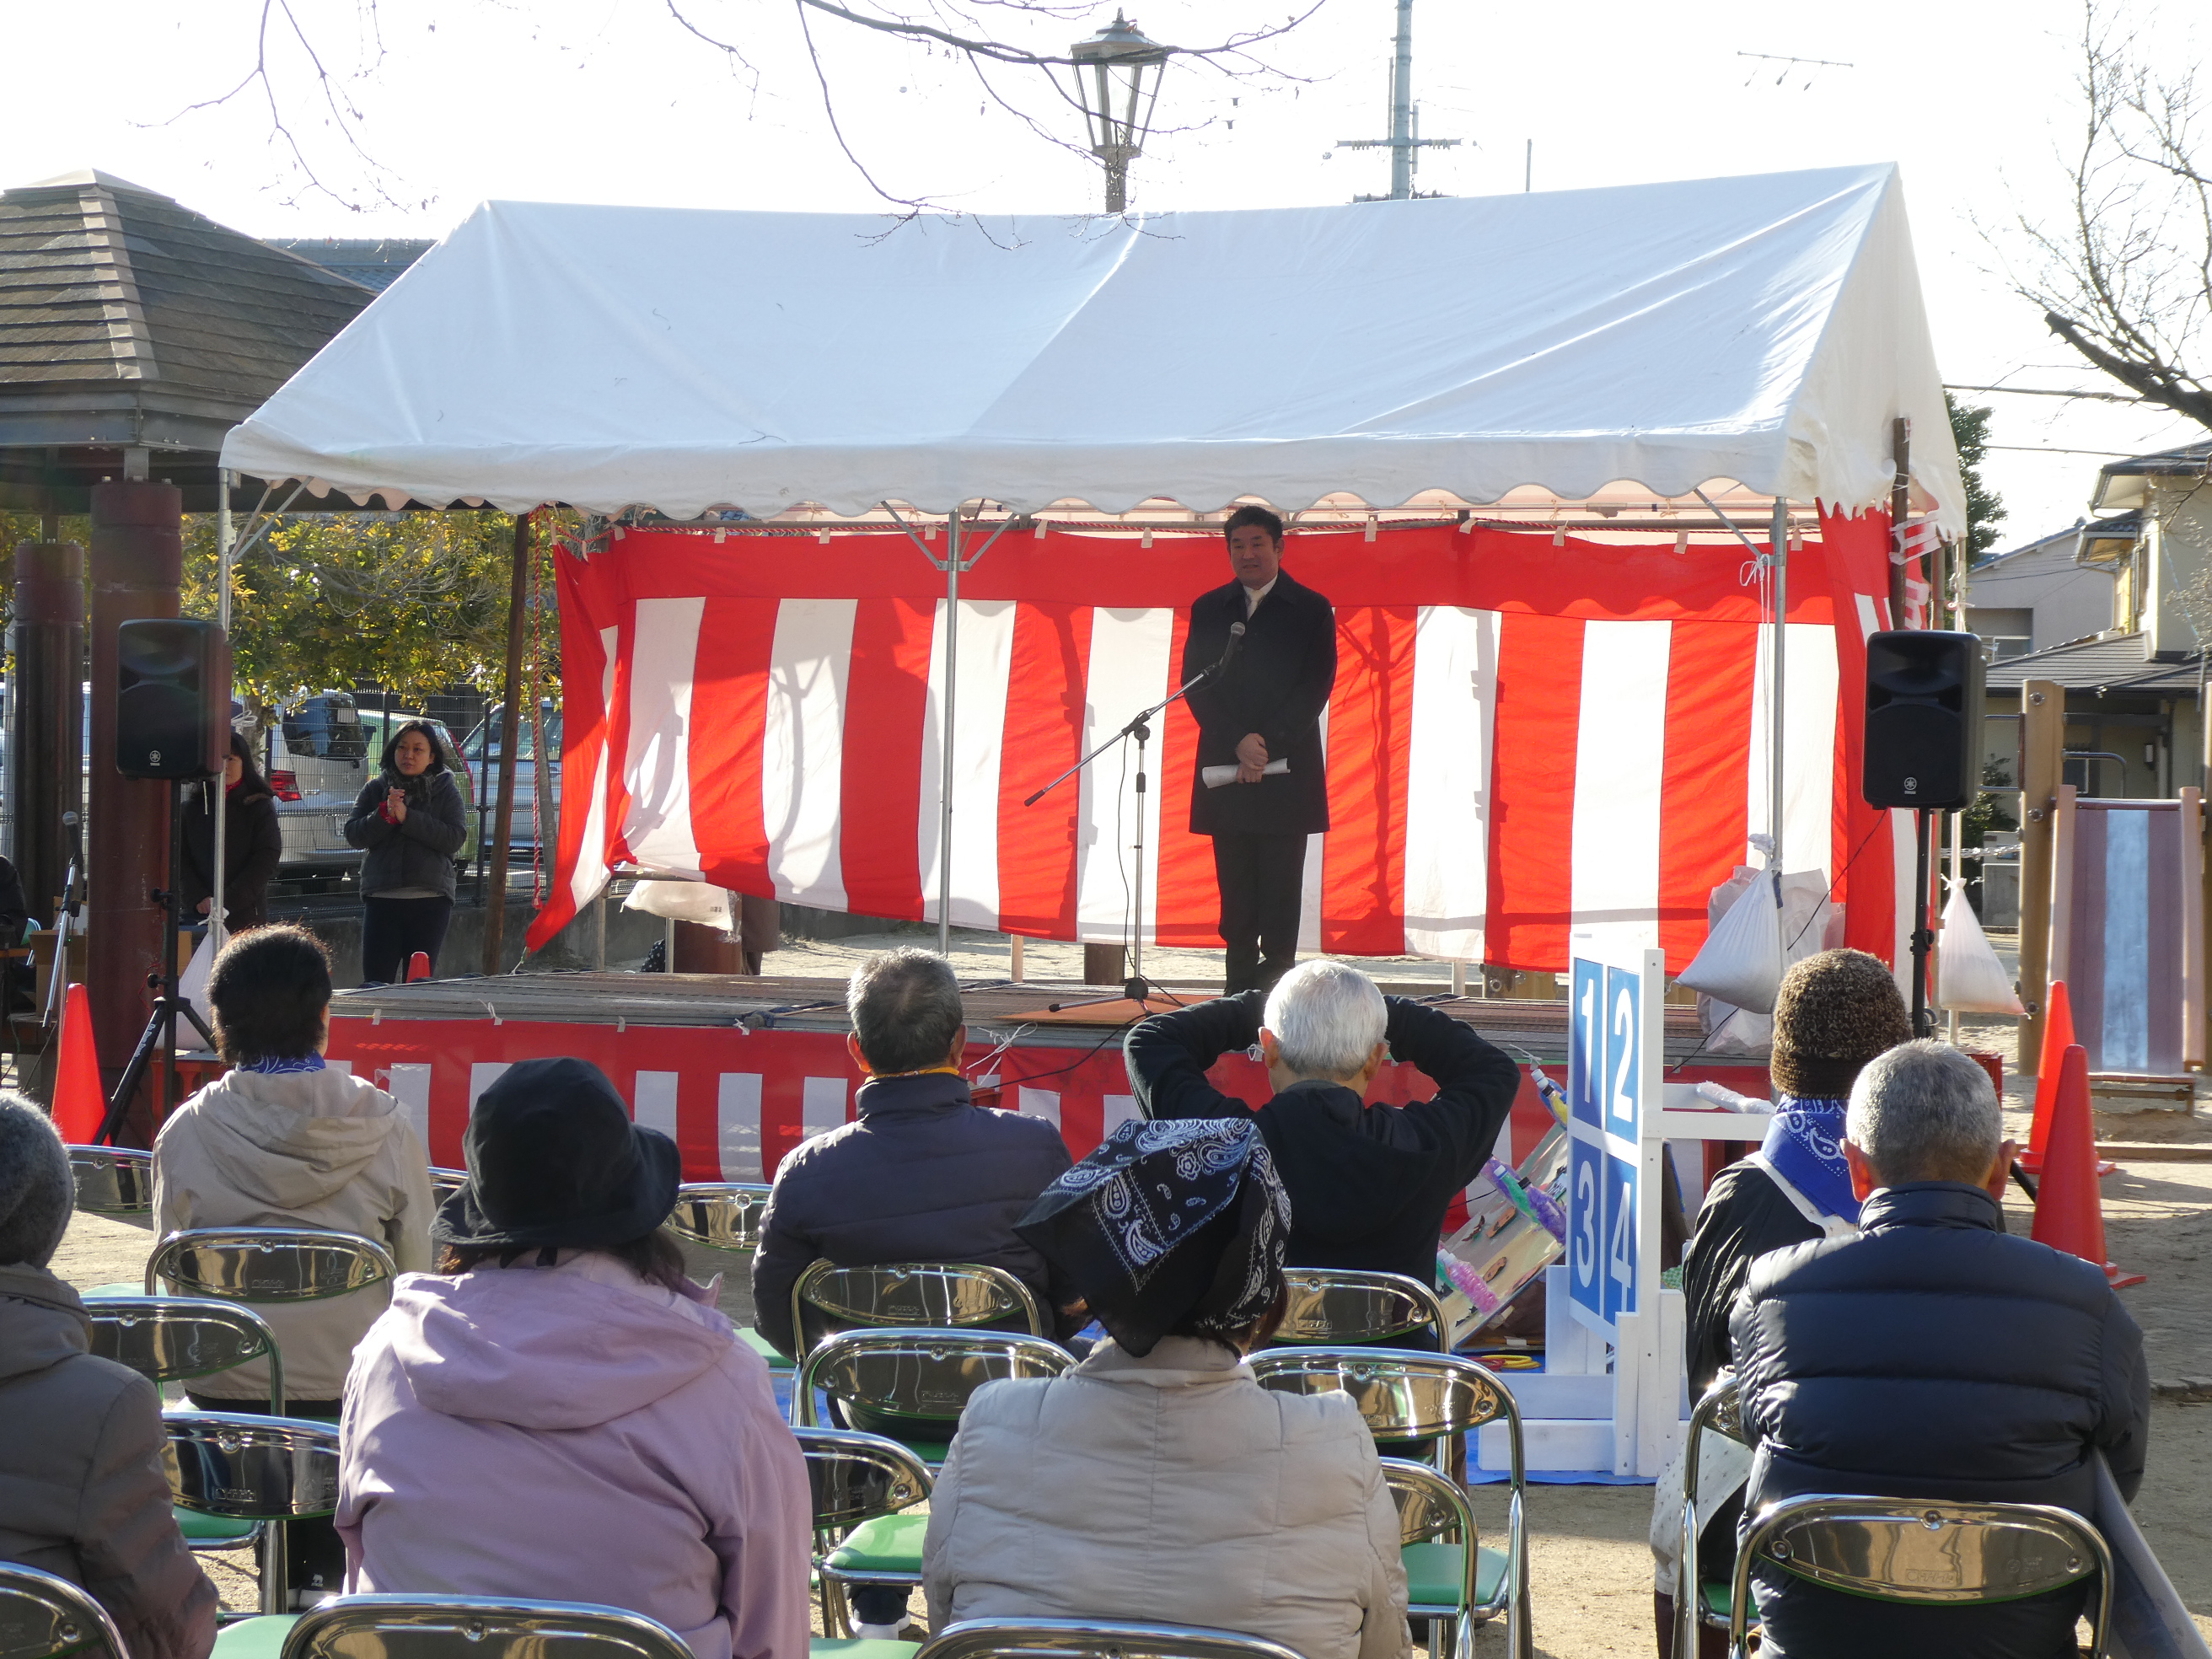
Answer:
(217, 932)
(951, 681)
(1778, 539)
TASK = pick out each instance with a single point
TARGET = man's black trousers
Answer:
(1262, 880)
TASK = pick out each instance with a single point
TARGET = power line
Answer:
(1790, 63)
(2041, 392)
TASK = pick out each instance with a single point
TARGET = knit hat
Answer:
(1834, 1013)
(36, 1188)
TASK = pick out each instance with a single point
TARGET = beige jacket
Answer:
(1171, 1487)
(81, 1491)
(298, 1149)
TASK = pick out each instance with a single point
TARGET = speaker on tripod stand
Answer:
(172, 724)
(1923, 751)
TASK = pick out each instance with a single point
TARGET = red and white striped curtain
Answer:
(1527, 735)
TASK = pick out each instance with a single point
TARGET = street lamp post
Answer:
(1117, 82)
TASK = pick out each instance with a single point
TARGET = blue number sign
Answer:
(1605, 1069)
(1586, 1068)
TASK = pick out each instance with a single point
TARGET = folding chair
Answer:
(263, 1469)
(1417, 1405)
(864, 1487)
(444, 1183)
(268, 1265)
(1092, 1639)
(175, 1339)
(112, 1180)
(828, 1299)
(1929, 1554)
(1698, 1599)
(44, 1616)
(911, 1384)
(1451, 1581)
(722, 1215)
(1343, 1308)
(467, 1628)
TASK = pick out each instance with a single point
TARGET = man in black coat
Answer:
(923, 1174)
(1369, 1184)
(1262, 711)
(1932, 1357)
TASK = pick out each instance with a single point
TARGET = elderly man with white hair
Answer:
(1931, 1356)
(1369, 1184)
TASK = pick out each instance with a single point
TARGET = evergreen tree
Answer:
(1970, 431)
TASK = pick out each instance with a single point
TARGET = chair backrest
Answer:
(1719, 1411)
(458, 1627)
(1403, 1395)
(923, 1374)
(444, 1183)
(44, 1616)
(722, 1215)
(1432, 1507)
(112, 1180)
(857, 1477)
(175, 1339)
(1340, 1306)
(251, 1468)
(1918, 1550)
(1092, 1639)
(267, 1264)
(957, 1295)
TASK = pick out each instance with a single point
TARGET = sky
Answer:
(616, 101)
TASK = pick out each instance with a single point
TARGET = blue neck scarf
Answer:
(275, 1066)
(1805, 1145)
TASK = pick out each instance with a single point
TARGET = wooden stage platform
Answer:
(740, 1070)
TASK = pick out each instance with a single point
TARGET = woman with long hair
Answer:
(411, 820)
(253, 843)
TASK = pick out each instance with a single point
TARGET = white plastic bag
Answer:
(1740, 960)
(683, 900)
(192, 984)
(1969, 978)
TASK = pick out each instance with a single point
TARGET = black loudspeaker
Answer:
(1923, 719)
(172, 698)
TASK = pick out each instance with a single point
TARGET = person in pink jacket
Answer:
(558, 1412)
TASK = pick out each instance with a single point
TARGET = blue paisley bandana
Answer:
(1805, 1145)
(274, 1065)
(1166, 1220)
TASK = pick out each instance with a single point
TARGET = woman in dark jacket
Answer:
(253, 843)
(410, 820)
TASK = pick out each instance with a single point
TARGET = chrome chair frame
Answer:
(114, 1316)
(1821, 1519)
(721, 1215)
(164, 1263)
(1334, 1368)
(112, 1180)
(288, 1454)
(1720, 1412)
(76, 1623)
(1311, 1287)
(1413, 1484)
(903, 1479)
(1020, 1356)
(1090, 1638)
(444, 1183)
(472, 1627)
(937, 1285)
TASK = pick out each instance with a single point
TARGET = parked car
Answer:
(483, 749)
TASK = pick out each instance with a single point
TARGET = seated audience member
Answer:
(1835, 1012)
(1931, 1356)
(923, 1174)
(81, 1491)
(1369, 1184)
(1158, 1480)
(282, 1140)
(558, 1412)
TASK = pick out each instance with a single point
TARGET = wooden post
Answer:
(517, 604)
(1900, 512)
(2042, 762)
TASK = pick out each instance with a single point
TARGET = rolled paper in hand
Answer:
(1215, 776)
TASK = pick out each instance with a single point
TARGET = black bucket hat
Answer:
(555, 1161)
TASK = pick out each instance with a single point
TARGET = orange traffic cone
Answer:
(418, 966)
(2058, 1037)
(2070, 1216)
(80, 1107)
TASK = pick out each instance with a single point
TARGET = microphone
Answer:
(1236, 638)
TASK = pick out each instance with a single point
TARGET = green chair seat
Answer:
(259, 1638)
(851, 1647)
(760, 1346)
(1432, 1574)
(1716, 1596)
(135, 1288)
(888, 1544)
(213, 1529)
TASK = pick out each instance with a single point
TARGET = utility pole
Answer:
(1405, 140)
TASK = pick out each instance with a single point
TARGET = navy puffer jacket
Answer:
(1933, 1357)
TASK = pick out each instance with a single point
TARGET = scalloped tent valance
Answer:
(1765, 329)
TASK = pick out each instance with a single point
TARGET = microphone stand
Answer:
(1137, 988)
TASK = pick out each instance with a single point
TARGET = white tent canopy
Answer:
(1766, 330)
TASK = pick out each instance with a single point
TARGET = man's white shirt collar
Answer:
(1254, 595)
